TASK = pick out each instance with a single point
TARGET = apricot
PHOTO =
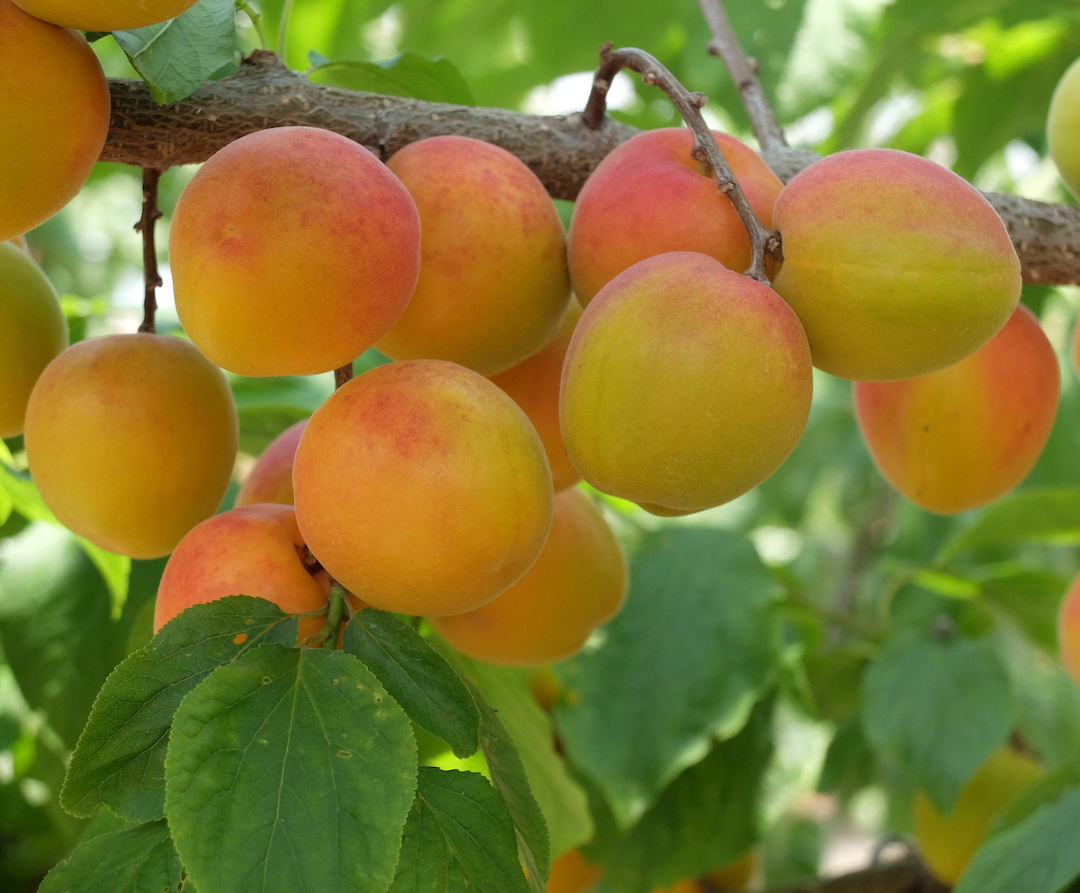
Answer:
(1068, 625)
(493, 279)
(737, 874)
(895, 265)
(1062, 126)
(422, 488)
(292, 250)
(131, 440)
(33, 330)
(253, 550)
(577, 583)
(115, 15)
(534, 385)
(947, 844)
(685, 385)
(271, 478)
(54, 102)
(958, 438)
(571, 873)
(649, 197)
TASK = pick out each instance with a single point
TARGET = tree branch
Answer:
(145, 226)
(559, 149)
(905, 876)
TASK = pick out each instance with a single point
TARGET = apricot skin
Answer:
(493, 280)
(648, 197)
(292, 250)
(271, 478)
(131, 440)
(33, 330)
(1062, 126)
(958, 438)
(895, 265)
(1069, 631)
(422, 488)
(948, 844)
(115, 15)
(252, 550)
(685, 385)
(577, 583)
(534, 385)
(54, 102)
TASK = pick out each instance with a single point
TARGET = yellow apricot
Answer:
(33, 330)
(292, 250)
(422, 488)
(947, 844)
(493, 280)
(1068, 626)
(570, 873)
(54, 102)
(577, 583)
(271, 478)
(534, 385)
(131, 440)
(685, 385)
(1062, 126)
(895, 265)
(113, 15)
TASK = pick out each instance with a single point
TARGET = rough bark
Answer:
(559, 149)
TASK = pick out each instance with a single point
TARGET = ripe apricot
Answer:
(114, 15)
(54, 102)
(33, 330)
(895, 265)
(271, 478)
(1068, 625)
(1062, 125)
(131, 440)
(577, 583)
(292, 250)
(685, 385)
(253, 550)
(570, 873)
(493, 279)
(534, 385)
(422, 488)
(649, 196)
(958, 438)
(947, 844)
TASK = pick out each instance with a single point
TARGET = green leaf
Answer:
(708, 816)
(408, 74)
(417, 677)
(1049, 515)
(138, 860)
(176, 56)
(261, 424)
(120, 758)
(458, 838)
(948, 585)
(682, 663)
(939, 706)
(1031, 597)
(55, 624)
(114, 569)
(562, 800)
(290, 770)
(1039, 855)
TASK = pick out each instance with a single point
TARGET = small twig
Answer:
(743, 71)
(342, 374)
(762, 241)
(256, 22)
(150, 215)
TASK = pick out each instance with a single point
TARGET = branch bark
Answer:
(559, 149)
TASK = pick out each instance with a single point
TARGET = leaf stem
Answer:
(283, 30)
(256, 22)
(327, 636)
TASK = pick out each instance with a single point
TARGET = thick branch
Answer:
(559, 149)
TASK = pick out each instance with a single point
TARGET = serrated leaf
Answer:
(137, 860)
(1039, 855)
(290, 770)
(261, 424)
(458, 838)
(417, 677)
(176, 56)
(120, 758)
(690, 652)
(1050, 515)
(408, 74)
(939, 707)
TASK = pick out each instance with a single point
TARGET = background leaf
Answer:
(407, 74)
(261, 424)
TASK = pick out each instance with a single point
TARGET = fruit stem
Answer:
(327, 636)
(743, 71)
(762, 241)
(342, 374)
(150, 215)
(256, 22)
